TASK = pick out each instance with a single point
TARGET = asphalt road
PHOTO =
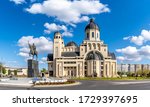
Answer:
(93, 85)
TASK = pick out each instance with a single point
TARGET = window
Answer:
(87, 35)
(93, 34)
(89, 46)
(94, 46)
(97, 35)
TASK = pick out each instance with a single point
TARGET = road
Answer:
(93, 85)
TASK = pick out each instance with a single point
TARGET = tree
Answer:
(1, 66)
(145, 72)
(43, 70)
(148, 75)
(140, 73)
(9, 72)
(3, 70)
(129, 74)
(15, 72)
(121, 73)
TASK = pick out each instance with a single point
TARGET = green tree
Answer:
(3, 70)
(43, 70)
(1, 66)
(15, 72)
(145, 72)
(129, 74)
(140, 73)
(148, 75)
(9, 72)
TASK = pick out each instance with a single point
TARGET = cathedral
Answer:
(90, 59)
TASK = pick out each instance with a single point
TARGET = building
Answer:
(125, 67)
(132, 67)
(20, 71)
(90, 59)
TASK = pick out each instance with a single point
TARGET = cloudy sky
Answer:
(124, 25)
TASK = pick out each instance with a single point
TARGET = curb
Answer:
(65, 85)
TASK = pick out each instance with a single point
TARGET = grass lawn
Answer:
(123, 78)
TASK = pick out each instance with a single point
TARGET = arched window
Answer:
(94, 46)
(97, 35)
(89, 46)
(87, 35)
(92, 34)
(99, 47)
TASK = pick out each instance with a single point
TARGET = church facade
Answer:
(90, 59)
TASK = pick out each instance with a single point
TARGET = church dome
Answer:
(94, 55)
(71, 44)
(92, 25)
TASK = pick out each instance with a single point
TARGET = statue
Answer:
(33, 51)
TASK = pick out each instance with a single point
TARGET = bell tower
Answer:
(58, 44)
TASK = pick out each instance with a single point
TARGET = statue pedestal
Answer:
(33, 68)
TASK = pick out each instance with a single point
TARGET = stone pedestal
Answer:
(33, 68)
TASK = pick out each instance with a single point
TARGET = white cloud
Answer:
(53, 27)
(69, 11)
(43, 60)
(126, 38)
(141, 39)
(129, 54)
(145, 50)
(18, 1)
(44, 45)
(121, 58)
(67, 33)
(23, 54)
(128, 50)
(133, 54)
(138, 40)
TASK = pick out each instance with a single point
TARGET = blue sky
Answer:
(124, 25)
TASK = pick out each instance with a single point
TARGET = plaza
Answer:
(84, 85)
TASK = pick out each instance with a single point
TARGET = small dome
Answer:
(94, 55)
(71, 44)
(92, 25)
(57, 35)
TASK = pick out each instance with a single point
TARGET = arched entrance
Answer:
(94, 64)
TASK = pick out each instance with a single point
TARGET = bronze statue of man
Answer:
(33, 51)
